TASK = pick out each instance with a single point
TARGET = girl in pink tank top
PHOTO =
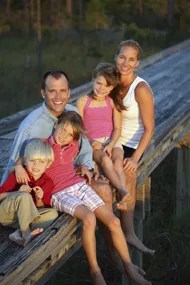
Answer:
(102, 121)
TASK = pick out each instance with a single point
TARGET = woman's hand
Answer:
(130, 164)
(21, 175)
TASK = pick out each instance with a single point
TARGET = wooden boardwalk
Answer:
(169, 76)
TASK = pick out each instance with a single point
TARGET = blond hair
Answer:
(130, 43)
(38, 149)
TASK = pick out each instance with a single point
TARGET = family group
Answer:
(68, 159)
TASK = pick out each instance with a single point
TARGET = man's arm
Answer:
(85, 154)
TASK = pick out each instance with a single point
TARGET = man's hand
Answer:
(21, 175)
(86, 173)
(96, 145)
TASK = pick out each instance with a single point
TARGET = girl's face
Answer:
(127, 60)
(100, 87)
(63, 134)
(36, 167)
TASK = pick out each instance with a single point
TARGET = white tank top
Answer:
(132, 125)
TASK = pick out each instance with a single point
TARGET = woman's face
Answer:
(127, 60)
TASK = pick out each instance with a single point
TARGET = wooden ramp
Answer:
(169, 76)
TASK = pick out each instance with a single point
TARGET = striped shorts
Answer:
(69, 198)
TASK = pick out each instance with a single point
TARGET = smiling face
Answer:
(36, 167)
(56, 94)
(64, 134)
(100, 87)
(127, 60)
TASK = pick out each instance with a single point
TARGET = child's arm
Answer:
(20, 173)
(117, 121)
(80, 104)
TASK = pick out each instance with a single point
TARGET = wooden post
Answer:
(183, 176)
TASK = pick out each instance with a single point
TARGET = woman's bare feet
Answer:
(133, 240)
(136, 274)
(97, 278)
(23, 241)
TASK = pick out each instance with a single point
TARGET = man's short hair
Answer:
(56, 74)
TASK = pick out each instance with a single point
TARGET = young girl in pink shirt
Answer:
(102, 121)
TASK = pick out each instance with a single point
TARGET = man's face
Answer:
(56, 94)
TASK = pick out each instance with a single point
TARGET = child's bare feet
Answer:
(138, 244)
(136, 274)
(97, 278)
(125, 198)
(17, 237)
(32, 235)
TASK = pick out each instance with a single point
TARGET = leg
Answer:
(105, 162)
(103, 189)
(89, 242)
(18, 210)
(109, 219)
(47, 216)
(127, 218)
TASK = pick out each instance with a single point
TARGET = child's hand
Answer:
(39, 193)
(21, 175)
(96, 145)
(25, 188)
(108, 149)
(87, 173)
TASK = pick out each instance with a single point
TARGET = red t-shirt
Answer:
(44, 182)
(62, 170)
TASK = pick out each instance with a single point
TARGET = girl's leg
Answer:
(127, 218)
(105, 162)
(88, 220)
(113, 223)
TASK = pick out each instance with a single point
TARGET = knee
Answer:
(105, 160)
(114, 223)
(22, 195)
(89, 222)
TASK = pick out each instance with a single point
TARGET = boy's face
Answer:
(63, 134)
(36, 167)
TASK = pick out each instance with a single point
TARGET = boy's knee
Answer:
(53, 214)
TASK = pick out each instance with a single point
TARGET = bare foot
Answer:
(136, 274)
(97, 278)
(137, 243)
(16, 237)
(125, 199)
(32, 235)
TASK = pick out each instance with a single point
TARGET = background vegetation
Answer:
(74, 35)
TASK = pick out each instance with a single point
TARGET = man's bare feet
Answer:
(97, 278)
(133, 240)
(17, 237)
(32, 235)
(136, 274)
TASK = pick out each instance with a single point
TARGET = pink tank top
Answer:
(98, 121)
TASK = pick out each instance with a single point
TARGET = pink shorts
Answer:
(69, 198)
